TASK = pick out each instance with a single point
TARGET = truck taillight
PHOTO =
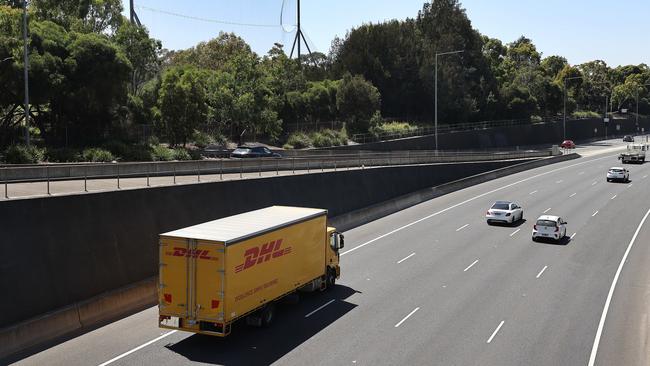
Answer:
(215, 304)
(167, 297)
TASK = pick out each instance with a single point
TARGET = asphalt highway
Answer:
(435, 285)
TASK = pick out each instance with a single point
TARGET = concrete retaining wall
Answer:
(525, 135)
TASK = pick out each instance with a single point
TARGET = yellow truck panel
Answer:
(268, 266)
(214, 273)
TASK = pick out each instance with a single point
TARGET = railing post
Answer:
(47, 173)
(85, 178)
(148, 166)
(359, 158)
(198, 170)
(293, 165)
(277, 167)
(118, 175)
(321, 166)
(241, 167)
(174, 168)
(259, 166)
(334, 164)
(221, 170)
(308, 167)
(6, 184)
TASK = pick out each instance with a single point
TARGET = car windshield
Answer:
(501, 206)
(615, 170)
(549, 223)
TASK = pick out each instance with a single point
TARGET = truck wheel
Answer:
(268, 313)
(331, 278)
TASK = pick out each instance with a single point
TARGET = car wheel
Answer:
(608, 179)
(534, 238)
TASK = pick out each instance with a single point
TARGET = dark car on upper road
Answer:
(254, 152)
(215, 151)
(628, 138)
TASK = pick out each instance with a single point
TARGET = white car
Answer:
(504, 211)
(549, 227)
(618, 173)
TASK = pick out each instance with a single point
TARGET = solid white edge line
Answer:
(547, 210)
(406, 317)
(516, 231)
(462, 227)
(470, 200)
(594, 183)
(572, 235)
(470, 266)
(572, 195)
(601, 324)
(319, 308)
(496, 331)
(594, 214)
(405, 258)
(533, 192)
(614, 196)
(137, 348)
(540, 272)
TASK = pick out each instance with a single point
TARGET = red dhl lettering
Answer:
(263, 253)
(191, 253)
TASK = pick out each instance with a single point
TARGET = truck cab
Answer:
(336, 242)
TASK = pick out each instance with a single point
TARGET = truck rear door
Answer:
(191, 278)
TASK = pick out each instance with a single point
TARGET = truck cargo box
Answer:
(214, 273)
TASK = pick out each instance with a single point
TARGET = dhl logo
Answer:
(191, 253)
(262, 253)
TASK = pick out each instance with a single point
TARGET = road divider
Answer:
(541, 272)
(495, 332)
(470, 266)
(406, 317)
(405, 258)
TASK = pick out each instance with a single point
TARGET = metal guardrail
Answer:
(110, 176)
(456, 127)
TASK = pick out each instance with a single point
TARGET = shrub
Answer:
(535, 119)
(162, 153)
(97, 155)
(287, 147)
(21, 154)
(391, 128)
(201, 139)
(586, 114)
(181, 154)
(299, 140)
(327, 138)
(63, 155)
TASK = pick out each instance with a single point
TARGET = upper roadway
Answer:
(435, 285)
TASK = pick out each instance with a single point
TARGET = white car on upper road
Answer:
(505, 212)
(618, 173)
(549, 227)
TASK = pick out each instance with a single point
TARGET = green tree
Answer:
(182, 102)
(357, 100)
(88, 16)
(141, 50)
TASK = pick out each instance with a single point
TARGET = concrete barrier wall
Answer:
(59, 250)
(525, 135)
(333, 158)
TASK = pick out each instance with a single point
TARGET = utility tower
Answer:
(134, 16)
(299, 36)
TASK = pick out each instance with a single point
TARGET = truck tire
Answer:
(331, 278)
(268, 314)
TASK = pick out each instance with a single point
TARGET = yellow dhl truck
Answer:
(217, 272)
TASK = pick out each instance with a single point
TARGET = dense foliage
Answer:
(96, 79)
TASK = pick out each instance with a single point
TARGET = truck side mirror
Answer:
(341, 241)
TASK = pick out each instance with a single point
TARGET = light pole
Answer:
(26, 60)
(436, 93)
(564, 119)
(637, 104)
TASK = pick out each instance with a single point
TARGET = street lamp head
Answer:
(7, 59)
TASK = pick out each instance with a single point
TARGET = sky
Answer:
(580, 30)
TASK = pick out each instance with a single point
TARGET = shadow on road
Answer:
(564, 241)
(514, 224)
(262, 346)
